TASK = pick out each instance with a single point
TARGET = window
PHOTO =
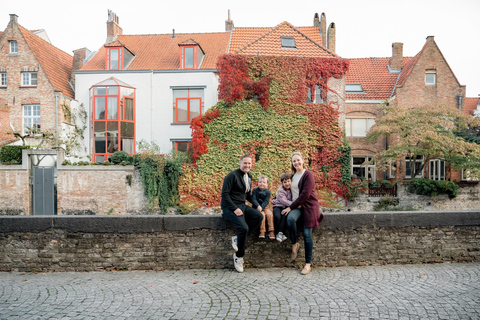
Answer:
(29, 79)
(183, 146)
(13, 46)
(358, 127)
(114, 58)
(187, 104)
(353, 88)
(437, 169)
(191, 57)
(288, 42)
(3, 79)
(113, 110)
(418, 165)
(392, 170)
(430, 77)
(361, 169)
(31, 119)
(316, 95)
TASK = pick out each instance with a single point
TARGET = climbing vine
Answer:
(263, 112)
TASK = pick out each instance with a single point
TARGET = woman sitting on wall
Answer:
(305, 205)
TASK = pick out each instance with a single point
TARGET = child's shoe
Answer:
(271, 235)
(262, 235)
(280, 237)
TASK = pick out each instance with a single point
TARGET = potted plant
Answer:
(354, 178)
(387, 184)
(376, 184)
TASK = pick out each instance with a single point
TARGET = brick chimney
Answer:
(316, 20)
(396, 61)
(331, 37)
(229, 23)
(79, 56)
(13, 18)
(113, 27)
(323, 29)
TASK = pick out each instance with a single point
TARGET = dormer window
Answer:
(191, 54)
(114, 58)
(353, 88)
(13, 46)
(288, 42)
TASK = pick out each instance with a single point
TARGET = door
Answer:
(43, 190)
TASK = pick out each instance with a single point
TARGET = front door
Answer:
(43, 190)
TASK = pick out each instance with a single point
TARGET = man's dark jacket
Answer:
(233, 190)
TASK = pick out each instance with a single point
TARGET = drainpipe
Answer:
(56, 119)
(151, 107)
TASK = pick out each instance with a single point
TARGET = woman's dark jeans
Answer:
(292, 219)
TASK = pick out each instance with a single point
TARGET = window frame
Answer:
(189, 99)
(436, 165)
(370, 169)
(288, 42)
(108, 58)
(13, 46)
(183, 57)
(407, 167)
(349, 126)
(466, 177)
(3, 79)
(32, 117)
(29, 73)
(431, 72)
(353, 88)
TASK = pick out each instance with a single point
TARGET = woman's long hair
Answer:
(297, 153)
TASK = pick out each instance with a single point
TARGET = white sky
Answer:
(365, 28)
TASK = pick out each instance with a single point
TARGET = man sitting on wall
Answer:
(237, 187)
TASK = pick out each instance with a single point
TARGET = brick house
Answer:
(472, 105)
(35, 83)
(423, 79)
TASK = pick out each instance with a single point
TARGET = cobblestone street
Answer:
(435, 291)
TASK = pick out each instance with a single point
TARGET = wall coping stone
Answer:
(96, 168)
(7, 167)
(158, 223)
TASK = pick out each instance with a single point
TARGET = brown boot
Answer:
(295, 248)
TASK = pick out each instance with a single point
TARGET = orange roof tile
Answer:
(373, 74)
(471, 105)
(161, 52)
(269, 44)
(56, 63)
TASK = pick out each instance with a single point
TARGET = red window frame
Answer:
(189, 100)
(183, 61)
(108, 58)
(120, 111)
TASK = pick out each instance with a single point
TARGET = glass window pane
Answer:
(112, 108)
(182, 146)
(127, 134)
(128, 109)
(188, 57)
(370, 123)
(27, 110)
(112, 90)
(25, 79)
(359, 127)
(196, 93)
(180, 94)
(99, 90)
(33, 80)
(358, 161)
(100, 159)
(113, 58)
(99, 107)
(182, 110)
(112, 136)
(99, 133)
(430, 78)
(194, 108)
(127, 92)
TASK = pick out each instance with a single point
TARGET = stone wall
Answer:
(74, 243)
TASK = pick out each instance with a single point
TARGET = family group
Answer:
(295, 199)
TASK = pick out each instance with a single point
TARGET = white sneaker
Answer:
(234, 243)
(284, 237)
(279, 237)
(238, 263)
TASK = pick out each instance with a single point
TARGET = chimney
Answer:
(316, 20)
(113, 27)
(331, 37)
(323, 29)
(396, 61)
(229, 23)
(79, 56)
(13, 18)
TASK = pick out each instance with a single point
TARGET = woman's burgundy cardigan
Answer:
(307, 198)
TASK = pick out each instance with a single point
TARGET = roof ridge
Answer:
(169, 34)
(48, 43)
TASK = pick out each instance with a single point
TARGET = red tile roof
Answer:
(471, 105)
(267, 41)
(161, 51)
(56, 63)
(373, 74)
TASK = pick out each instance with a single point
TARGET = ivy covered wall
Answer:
(262, 112)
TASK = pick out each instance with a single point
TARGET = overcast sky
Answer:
(365, 28)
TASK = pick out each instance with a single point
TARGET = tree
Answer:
(428, 132)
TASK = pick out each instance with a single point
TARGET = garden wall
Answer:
(87, 243)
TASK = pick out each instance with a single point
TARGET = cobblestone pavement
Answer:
(438, 291)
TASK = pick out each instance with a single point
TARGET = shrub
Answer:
(119, 157)
(12, 154)
(427, 187)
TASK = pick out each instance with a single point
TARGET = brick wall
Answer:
(72, 243)
(14, 191)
